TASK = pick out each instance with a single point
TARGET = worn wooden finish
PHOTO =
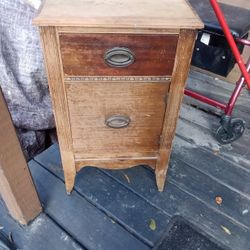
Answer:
(87, 225)
(116, 163)
(183, 58)
(193, 170)
(89, 92)
(41, 234)
(110, 30)
(59, 99)
(83, 54)
(16, 186)
(90, 104)
(130, 199)
(117, 13)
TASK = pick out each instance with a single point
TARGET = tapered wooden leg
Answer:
(69, 181)
(69, 170)
(162, 168)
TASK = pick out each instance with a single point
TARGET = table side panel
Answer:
(52, 59)
(176, 92)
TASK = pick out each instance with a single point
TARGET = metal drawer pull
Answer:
(117, 121)
(119, 57)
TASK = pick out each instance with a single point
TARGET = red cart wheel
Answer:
(233, 131)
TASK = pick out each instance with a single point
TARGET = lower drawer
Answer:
(122, 119)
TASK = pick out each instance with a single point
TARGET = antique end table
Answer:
(116, 72)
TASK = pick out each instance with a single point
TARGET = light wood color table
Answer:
(116, 71)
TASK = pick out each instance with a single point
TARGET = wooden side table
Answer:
(116, 72)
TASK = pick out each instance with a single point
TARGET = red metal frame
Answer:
(236, 92)
(231, 41)
(205, 99)
(227, 108)
(245, 78)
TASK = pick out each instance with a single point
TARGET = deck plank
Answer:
(201, 128)
(210, 122)
(121, 204)
(200, 170)
(213, 165)
(207, 189)
(41, 234)
(218, 90)
(208, 218)
(87, 224)
(176, 200)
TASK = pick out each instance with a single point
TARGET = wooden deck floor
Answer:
(114, 209)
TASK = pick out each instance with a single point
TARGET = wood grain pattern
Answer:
(116, 163)
(75, 48)
(83, 54)
(59, 100)
(118, 13)
(91, 103)
(113, 30)
(16, 186)
(182, 64)
(89, 226)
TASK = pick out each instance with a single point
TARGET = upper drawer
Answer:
(117, 54)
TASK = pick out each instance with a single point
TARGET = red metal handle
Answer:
(231, 41)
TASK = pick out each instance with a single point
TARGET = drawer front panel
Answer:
(116, 119)
(117, 55)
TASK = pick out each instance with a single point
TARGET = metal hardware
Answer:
(118, 121)
(230, 129)
(119, 57)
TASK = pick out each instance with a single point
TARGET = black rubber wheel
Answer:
(237, 128)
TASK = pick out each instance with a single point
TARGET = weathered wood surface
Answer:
(117, 163)
(42, 234)
(121, 196)
(93, 228)
(119, 203)
(193, 120)
(219, 90)
(238, 3)
(108, 206)
(16, 186)
(181, 69)
(151, 115)
(119, 14)
(200, 170)
(57, 90)
(90, 104)
(83, 54)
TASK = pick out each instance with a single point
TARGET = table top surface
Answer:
(155, 14)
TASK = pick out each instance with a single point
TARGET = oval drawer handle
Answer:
(117, 121)
(119, 57)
